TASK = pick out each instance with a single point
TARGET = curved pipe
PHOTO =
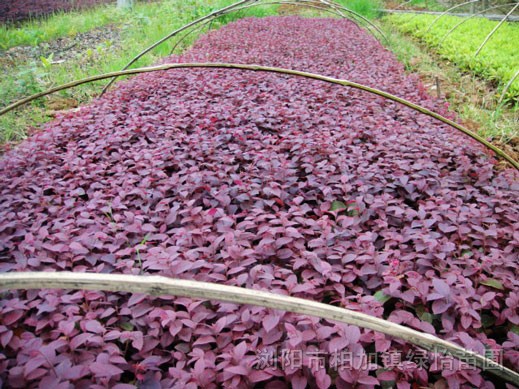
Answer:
(494, 30)
(172, 34)
(300, 3)
(210, 16)
(331, 80)
(447, 11)
(195, 29)
(158, 285)
(470, 17)
(331, 7)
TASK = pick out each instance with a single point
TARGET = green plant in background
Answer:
(367, 8)
(33, 32)
(495, 121)
(497, 62)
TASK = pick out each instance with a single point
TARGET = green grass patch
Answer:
(368, 8)
(497, 62)
(60, 24)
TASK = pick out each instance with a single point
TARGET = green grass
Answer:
(468, 96)
(431, 5)
(367, 8)
(138, 28)
(497, 62)
(61, 24)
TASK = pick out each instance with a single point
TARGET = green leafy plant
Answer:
(497, 62)
(47, 61)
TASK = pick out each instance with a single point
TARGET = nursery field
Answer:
(18, 10)
(458, 40)
(269, 182)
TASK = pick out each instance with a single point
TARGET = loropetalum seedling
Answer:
(265, 182)
(18, 10)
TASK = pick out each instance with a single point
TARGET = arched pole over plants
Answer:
(307, 4)
(213, 15)
(470, 17)
(314, 76)
(326, 6)
(243, 7)
(176, 32)
(447, 11)
(160, 286)
(494, 30)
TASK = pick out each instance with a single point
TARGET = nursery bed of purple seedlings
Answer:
(267, 182)
(19, 10)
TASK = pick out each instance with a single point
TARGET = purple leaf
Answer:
(104, 369)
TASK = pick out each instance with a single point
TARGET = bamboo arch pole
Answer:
(470, 17)
(158, 285)
(331, 80)
(301, 3)
(198, 28)
(326, 6)
(495, 29)
(447, 11)
(211, 16)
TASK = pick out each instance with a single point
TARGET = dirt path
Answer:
(61, 49)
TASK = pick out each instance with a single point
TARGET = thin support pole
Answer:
(314, 76)
(446, 12)
(495, 29)
(468, 18)
(160, 286)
